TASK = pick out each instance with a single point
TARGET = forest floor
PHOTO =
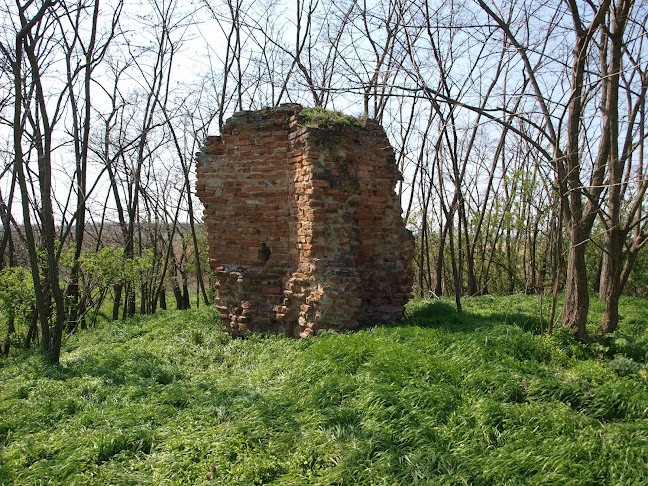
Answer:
(477, 398)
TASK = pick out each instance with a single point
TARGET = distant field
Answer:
(443, 399)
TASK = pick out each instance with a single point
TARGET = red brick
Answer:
(305, 224)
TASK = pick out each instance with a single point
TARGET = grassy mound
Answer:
(479, 398)
(316, 116)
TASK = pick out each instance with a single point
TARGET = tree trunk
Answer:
(455, 270)
(576, 296)
(185, 292)
(130, 295)
(599, 282)
(612, 279)
(614, 235)
(117, 302)
(438, 289)
(163, 303)
(32, 333)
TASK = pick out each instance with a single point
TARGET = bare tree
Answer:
(624, 186)
(82, 56)
(29, 58)
(577, 158)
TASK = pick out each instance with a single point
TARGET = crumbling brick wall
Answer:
(304, 228)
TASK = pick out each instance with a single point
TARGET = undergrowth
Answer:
(477, 398)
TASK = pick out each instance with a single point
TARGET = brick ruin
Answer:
(304, 228)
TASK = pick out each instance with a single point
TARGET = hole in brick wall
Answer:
(265, 253)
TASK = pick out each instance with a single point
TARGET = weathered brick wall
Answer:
(304, 229)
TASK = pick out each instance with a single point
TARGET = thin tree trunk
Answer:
(438, 290)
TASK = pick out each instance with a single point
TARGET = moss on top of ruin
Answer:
(317, 116)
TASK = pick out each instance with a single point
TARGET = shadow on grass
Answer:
(443, 315)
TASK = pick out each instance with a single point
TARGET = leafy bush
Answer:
(638, 281)
(623, 366)
(17, 301)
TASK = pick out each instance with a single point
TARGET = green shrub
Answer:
(17, 301)
(624, 366)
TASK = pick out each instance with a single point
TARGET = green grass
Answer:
(480, 398)
(316, 116)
